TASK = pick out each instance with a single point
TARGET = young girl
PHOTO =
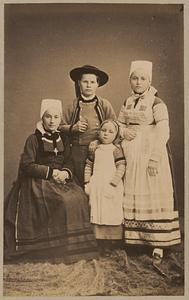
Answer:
(104, 170)
(46, 209)
(150, 215)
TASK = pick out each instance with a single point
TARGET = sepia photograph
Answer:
(94, 149)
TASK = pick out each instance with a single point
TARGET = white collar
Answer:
(88, 98)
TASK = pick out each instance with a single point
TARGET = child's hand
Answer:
(109, 191)
(152, 167)
(87, 189)
(129, 133)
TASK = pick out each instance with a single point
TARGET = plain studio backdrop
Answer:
(43, 42)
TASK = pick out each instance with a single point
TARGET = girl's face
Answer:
(51, 119)
(139, 81)
(107, 133)
(88, 84)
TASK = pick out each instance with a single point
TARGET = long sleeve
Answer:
(162, 130)
(68, 162)
(65, 125)
(108, 110)
(122, 120)
(121, 116)
(89, 166)
(120, 166)
(28, 160)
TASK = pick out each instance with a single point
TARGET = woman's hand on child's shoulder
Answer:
(93, 145)
(129, 133)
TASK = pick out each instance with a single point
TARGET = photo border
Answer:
(186, 144)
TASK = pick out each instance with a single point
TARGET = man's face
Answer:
(88, 84)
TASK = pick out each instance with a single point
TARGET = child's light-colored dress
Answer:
(149, 212)
(107, 166)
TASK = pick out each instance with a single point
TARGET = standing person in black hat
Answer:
(82, 120)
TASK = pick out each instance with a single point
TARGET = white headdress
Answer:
(47, 103)
(141, 64)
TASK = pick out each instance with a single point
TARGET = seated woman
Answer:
(46, 209)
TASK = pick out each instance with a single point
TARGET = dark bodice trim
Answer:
(98, 109)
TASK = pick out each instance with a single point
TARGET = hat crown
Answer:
(90, 67)
(76, 73)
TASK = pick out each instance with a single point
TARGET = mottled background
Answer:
(43, 42)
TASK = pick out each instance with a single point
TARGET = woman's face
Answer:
(88, 84)
(51, 119)
(107, 133)
(139, 81)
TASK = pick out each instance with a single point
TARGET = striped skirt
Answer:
(156, 233)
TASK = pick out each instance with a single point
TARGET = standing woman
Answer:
(149, 211)
(46, 210)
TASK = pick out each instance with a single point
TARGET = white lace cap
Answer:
(47, 103)
(141, 64)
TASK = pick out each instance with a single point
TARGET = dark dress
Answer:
(94, 112)
(42, 214)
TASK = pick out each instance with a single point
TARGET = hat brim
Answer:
(76, 74)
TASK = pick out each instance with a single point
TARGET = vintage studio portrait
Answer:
(93, 149)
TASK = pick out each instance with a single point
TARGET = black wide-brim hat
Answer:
(76, 73)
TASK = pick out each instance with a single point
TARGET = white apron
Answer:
(147, 197)
(105, 210)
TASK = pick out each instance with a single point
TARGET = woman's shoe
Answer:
(157, 256)
(156, 259)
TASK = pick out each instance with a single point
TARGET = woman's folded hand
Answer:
(60, 176)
